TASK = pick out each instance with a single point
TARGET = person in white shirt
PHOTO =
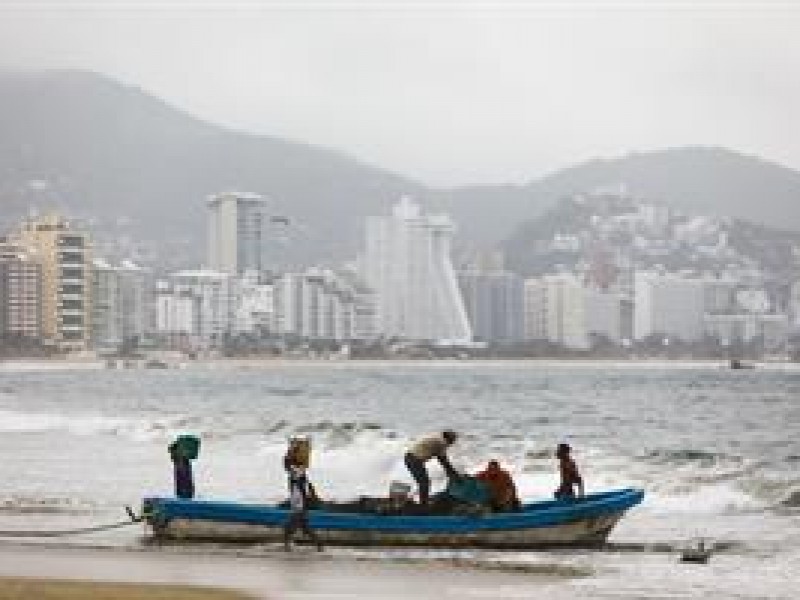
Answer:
(423, 450)
(301, 493)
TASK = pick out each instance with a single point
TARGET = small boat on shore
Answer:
(580, 522)
(738, 364)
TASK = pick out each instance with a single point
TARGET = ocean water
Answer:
(717, 452)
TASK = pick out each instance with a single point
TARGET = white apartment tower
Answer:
(237, 232)
(196, 306)
(668, 304)
(407, 263)
(120, 304)
(561, 309)
(317, 304)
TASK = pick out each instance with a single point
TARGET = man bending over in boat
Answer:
(570, 476)
(301, 494)
(502, 491)
(434, 446)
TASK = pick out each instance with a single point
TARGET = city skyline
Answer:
(404, 288)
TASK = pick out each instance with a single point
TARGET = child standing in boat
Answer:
(570, 476)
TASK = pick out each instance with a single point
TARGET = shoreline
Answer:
(80, 364)
(23, 588)
(300, 575)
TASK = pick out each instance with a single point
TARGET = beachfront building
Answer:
(407, 263)
(136, 289)
(64, 255)
(254, 304)
(121, 305)
(317, 304)
(363, 297)
(561, 309)
(493, 300)
(237, 232)
(177, 316)
(669, 305)
(794, 304)
(194, 309)
(106, 306)
(20, 296)
(770, 332)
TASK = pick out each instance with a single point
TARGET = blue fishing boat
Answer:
(578, 522)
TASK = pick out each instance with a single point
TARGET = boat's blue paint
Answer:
(533, 515)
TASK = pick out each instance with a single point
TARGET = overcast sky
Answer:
(450, 92)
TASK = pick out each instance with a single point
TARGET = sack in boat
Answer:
(299, 452)
(468, 490)
(186, 446)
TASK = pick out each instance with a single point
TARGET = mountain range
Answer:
(138, 170)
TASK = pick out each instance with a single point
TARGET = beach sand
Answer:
(24, 588)
(301, 575)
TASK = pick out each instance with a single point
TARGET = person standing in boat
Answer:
(570, 476)
(301, 495)
(434, 446)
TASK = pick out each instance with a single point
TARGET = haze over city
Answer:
(477, 299)
(448, 92)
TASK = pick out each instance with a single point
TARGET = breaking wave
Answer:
(353, 457)
(685, 456)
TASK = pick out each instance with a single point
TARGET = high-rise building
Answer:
(20, 295)
(64, 255)
(106, 306)
(794, 304)
(494, 304)
(407, 263)
(364, 326)
(317, 304)
(237, 232)
(669, 305)
(196, 305)
(177, 316)
(120, 304)
(561, 309)
(255, 311)
(136, 290)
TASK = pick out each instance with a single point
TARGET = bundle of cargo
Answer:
(186, 447)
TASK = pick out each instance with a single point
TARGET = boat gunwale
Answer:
(546, 513)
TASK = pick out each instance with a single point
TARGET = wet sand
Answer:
(23, 588)
(302, 575)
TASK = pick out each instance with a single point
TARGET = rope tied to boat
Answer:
(132, 519)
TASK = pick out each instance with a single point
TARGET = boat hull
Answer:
(585, 523)
(585, 532)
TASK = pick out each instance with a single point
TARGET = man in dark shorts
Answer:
(434, 446)
(300, 496)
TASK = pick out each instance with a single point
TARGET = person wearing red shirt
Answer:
(503, 492)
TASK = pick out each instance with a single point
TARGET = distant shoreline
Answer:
(84, 363)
